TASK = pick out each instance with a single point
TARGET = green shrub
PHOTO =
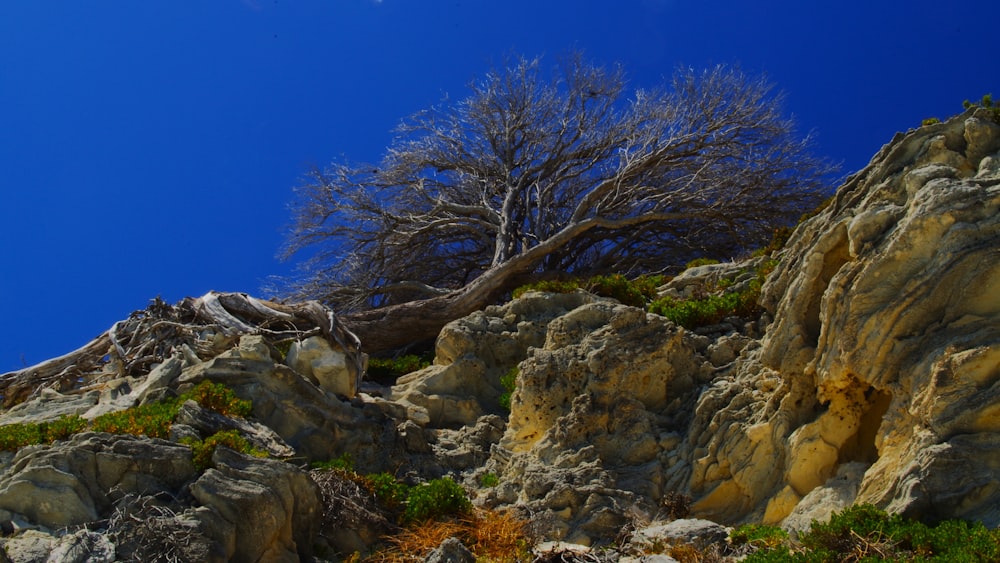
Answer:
(387, 489)
(930, 121)
(343, 462)
(694, 313)
(219, 398)
(637, 292)
(393, 368)
(202, 450)
(865, 533)
(16, 436)
(985, 102)
(509, 383)
(548, 286)
(700, 262)
(759, 536)
(488, 480)
(152, 420)
(434, 499)
(62, 428)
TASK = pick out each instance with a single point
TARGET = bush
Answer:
(344, 462)
(637, 292)
(202, 450)
(152, 420)
(387, 489)
(865, 533)
(694, 313)
(700, 262)
(219, 398)
(509, 383)
(392, 368)
(548, 286)
(434, 499)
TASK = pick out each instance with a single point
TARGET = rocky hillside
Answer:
(871, 377)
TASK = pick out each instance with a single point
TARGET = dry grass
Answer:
(493, 536)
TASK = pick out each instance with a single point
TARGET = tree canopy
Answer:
(548, 170)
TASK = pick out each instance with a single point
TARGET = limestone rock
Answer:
(271, 507)
(884, 349)
(74, 482)
(325, 366)
(451, 550)
(699, 533)
(472, 354)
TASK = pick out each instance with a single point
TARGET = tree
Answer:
(538, 173)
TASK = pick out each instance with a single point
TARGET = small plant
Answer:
(434, 499)
(202, 450)
(392, 368)
(218, 397)
(759, 536)
(930, 121)
(343, 462)
(152, 420)
(985, 102)
(637, 292)
(865, 533)
(700, 262)
(387, 489)
(509, 383)
(548, 286)
(16, 436)
(488, 480)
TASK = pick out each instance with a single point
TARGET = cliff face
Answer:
(885, 350)
(873, 377)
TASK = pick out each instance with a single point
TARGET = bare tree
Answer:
(537, 173)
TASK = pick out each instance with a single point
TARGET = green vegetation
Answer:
(488, 480)
(985, 102)
(381, 369)
(435, 499)
(202, 450)
(711, 309)
(152, 419)
(865, 533)
(700, 262)
(509, 382)
(15, 436)
(343, 462)
(636, 292)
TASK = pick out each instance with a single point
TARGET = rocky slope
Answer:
(872, 377)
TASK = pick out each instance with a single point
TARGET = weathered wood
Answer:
(154, 334)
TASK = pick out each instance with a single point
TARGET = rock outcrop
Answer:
(872, 375)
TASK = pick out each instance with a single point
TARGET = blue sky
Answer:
(150, 148)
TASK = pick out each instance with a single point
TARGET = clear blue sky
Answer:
(150, 147)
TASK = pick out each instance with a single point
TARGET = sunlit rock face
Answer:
(884, 352)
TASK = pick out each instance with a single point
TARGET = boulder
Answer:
(268, 509)
(473, 353)
(325, 366)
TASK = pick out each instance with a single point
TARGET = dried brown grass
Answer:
(494, 536)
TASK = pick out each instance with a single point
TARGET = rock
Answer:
(328, 368)
(50, 405)
(271, 507)
(451, 550)
(699, 533)
(472, 354)
(30, 546)
(83, 546)
(883, 351)
(74, 482)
